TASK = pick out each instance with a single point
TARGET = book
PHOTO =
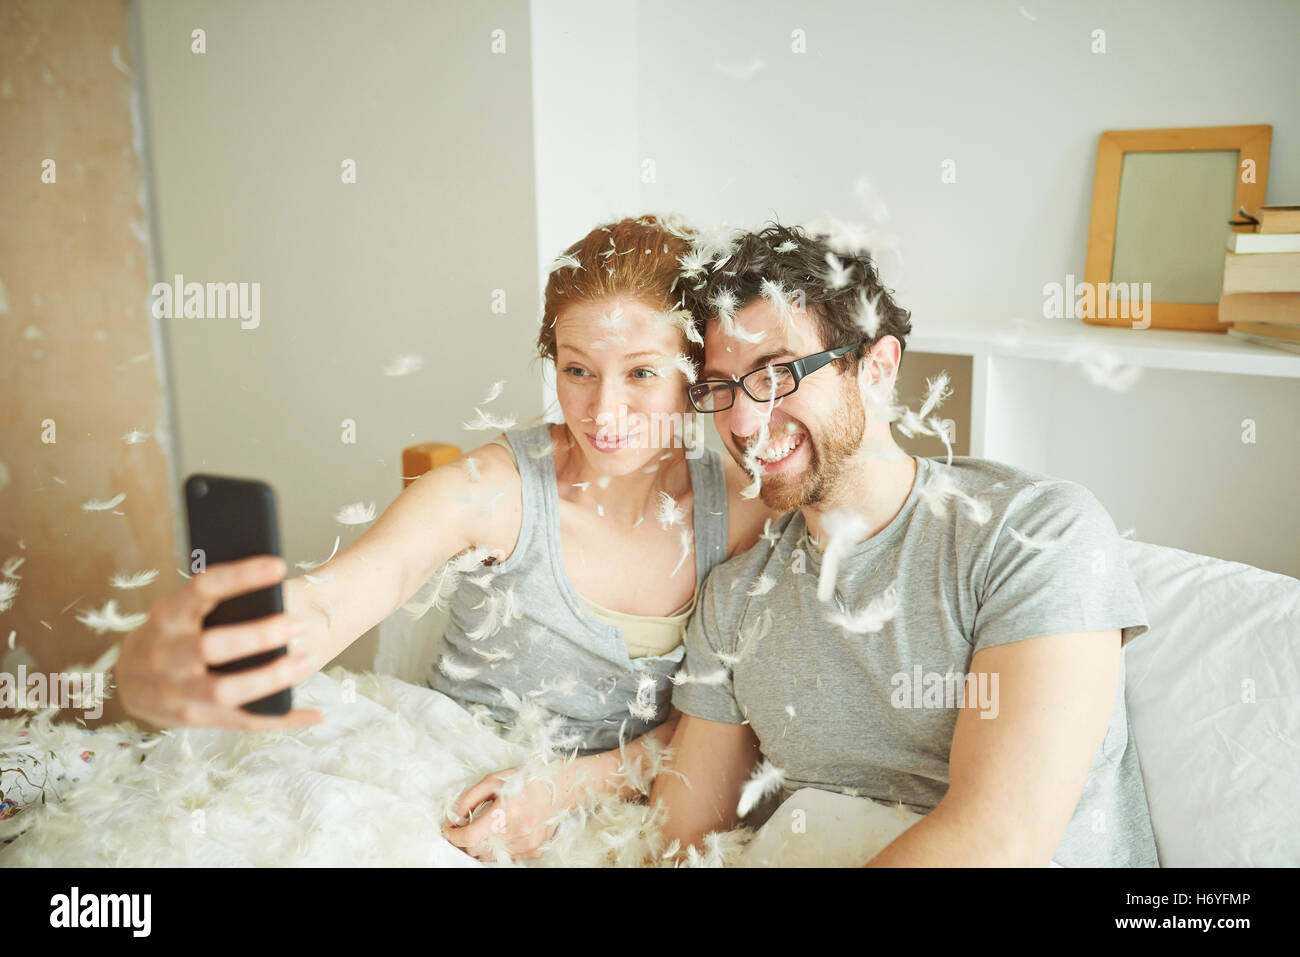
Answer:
(1264, 242)
(1261, 272)
(1279, 307)
(1266, 341)
(1278, 219)
(1271, 330)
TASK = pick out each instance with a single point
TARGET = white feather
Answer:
(682, 320)
(866, 316)
(687, 536)
(310, 565)
(845, 528)
(485, 420)
(683, 364)
(404, 365)
(8, 592)
(358, 513)
(565, 261)
(96, 506)
(669, 514)
(1034, 543)
(871, 617)
(109, 619)
(766, 779)
(138, 580)
(837, 275)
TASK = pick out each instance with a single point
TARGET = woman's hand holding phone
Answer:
(162, 672)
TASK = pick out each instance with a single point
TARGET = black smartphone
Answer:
(230, 519)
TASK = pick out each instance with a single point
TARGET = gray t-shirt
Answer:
(852, 694)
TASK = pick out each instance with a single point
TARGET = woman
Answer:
(595, 536)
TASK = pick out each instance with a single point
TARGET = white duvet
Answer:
(370, 785)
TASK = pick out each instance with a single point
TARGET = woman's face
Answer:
(623, 397)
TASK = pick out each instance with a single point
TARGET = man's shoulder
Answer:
(1008, 488)
(730, 582)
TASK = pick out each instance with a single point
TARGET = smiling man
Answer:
(828, 648)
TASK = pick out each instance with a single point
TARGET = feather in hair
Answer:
(774, 293)
(725, 304)
(866, 316)
(837, 275)
(565, 261)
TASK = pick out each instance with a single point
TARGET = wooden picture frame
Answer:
(1251, 143)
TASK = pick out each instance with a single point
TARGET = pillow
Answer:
(1213, 693)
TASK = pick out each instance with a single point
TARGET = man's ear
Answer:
(878, 368)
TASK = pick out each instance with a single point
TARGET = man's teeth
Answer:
(776, 451)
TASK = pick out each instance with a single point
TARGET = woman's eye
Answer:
(649, 373)
(575, 371)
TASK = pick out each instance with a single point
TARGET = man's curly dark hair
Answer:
(798, 261)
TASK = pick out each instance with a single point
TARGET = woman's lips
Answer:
(607, 444)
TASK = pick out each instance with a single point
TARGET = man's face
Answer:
(812, 433)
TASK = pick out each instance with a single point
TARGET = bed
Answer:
(1213, 692)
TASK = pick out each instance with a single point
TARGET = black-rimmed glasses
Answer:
(771, 382)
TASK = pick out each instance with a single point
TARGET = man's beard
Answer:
(831, 450)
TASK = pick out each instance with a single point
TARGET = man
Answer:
(834, 666)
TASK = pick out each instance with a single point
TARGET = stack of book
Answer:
(1261, 279)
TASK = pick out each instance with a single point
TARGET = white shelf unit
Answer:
(1167, 456)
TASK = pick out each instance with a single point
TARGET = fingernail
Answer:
(297, 626)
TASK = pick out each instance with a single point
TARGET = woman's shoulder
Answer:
(747, 517)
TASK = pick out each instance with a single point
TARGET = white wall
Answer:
(888, 91)
(248, 141)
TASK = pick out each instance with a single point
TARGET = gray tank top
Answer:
(545, 647)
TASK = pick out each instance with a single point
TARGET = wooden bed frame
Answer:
(418, 459)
